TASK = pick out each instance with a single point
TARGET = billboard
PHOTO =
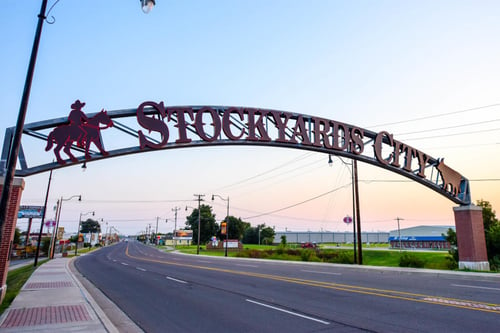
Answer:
(30, 212)
(183, 234)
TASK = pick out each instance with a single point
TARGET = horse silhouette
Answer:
(65, 135)
(451, 178)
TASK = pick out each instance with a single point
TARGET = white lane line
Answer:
(289, 312)
(476, 287)
(243, 265)
(205, 262)
(124, 263)
(140, 269)
(319, 272)
(175, 280)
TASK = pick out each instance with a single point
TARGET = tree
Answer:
(17, 236)
(208, 227)
(90, 226)
(251, 235)
(283, 241)
(451, 237)
(491, 233)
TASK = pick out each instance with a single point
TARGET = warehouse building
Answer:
(329, 237)
(421, 237)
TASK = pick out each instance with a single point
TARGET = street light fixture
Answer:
(227, 219)
(147, 5)
(78, 230)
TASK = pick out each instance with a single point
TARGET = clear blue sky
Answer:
(377, 64)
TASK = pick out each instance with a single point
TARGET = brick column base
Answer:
(470, 238)
(8, 230)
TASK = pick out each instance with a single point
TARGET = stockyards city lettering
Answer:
(163, 127)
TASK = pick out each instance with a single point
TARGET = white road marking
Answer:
(476, 287)
(319, 272)
(176, 280)
(243, 265)
(289, 312)
(205, 262)
(124, 263)
(140, 269)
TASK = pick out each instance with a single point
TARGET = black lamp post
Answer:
(227, 219)
(16, 140)
(11, 162)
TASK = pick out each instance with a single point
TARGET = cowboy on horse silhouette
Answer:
(78, 118)
(82, 130)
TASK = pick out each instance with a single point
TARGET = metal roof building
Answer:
(420, 237)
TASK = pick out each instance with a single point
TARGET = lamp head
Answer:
(213, 197)
(147, 5)
(79, 198)
(330, 162)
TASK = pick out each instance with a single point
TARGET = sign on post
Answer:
(27, 212)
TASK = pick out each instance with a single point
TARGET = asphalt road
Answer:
(168, 292)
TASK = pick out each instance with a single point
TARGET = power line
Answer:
(263, 173)
(438, 115)
(455, 134)
(449, 127)
(299, 203)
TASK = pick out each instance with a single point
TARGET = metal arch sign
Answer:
(154, 126)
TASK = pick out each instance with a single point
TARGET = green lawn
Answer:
(378, 257)
(16, 278)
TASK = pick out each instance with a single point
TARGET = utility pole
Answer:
(156, 233)
(175, 209)
(358, 219)
(399, 232)
(199, 220)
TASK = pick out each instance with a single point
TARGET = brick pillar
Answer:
(470, 238)
(9, 228)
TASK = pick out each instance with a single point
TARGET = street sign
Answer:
(347, 219)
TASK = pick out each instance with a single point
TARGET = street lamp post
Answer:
(58, 216)
(175, 226)
(227, 219)
(399, 232)
(78, 230)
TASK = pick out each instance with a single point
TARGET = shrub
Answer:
(410, 260)
(308, 255)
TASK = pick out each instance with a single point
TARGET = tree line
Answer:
(237, 229)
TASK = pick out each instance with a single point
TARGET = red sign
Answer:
(347, 219)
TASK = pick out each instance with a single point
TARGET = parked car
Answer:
(308, 245)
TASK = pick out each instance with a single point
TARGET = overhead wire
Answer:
(438, 115)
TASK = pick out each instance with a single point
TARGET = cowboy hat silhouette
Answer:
(77, 105)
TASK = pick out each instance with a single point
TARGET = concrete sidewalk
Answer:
(54, 300)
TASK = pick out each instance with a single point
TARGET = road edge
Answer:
(112, 317)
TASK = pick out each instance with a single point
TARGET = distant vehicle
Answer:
(308, 245)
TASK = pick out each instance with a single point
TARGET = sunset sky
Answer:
(426, 71)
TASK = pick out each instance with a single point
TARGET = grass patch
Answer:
(16, 279)
(389, 258)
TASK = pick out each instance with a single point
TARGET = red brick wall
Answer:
(470, 233)
(9, 229)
